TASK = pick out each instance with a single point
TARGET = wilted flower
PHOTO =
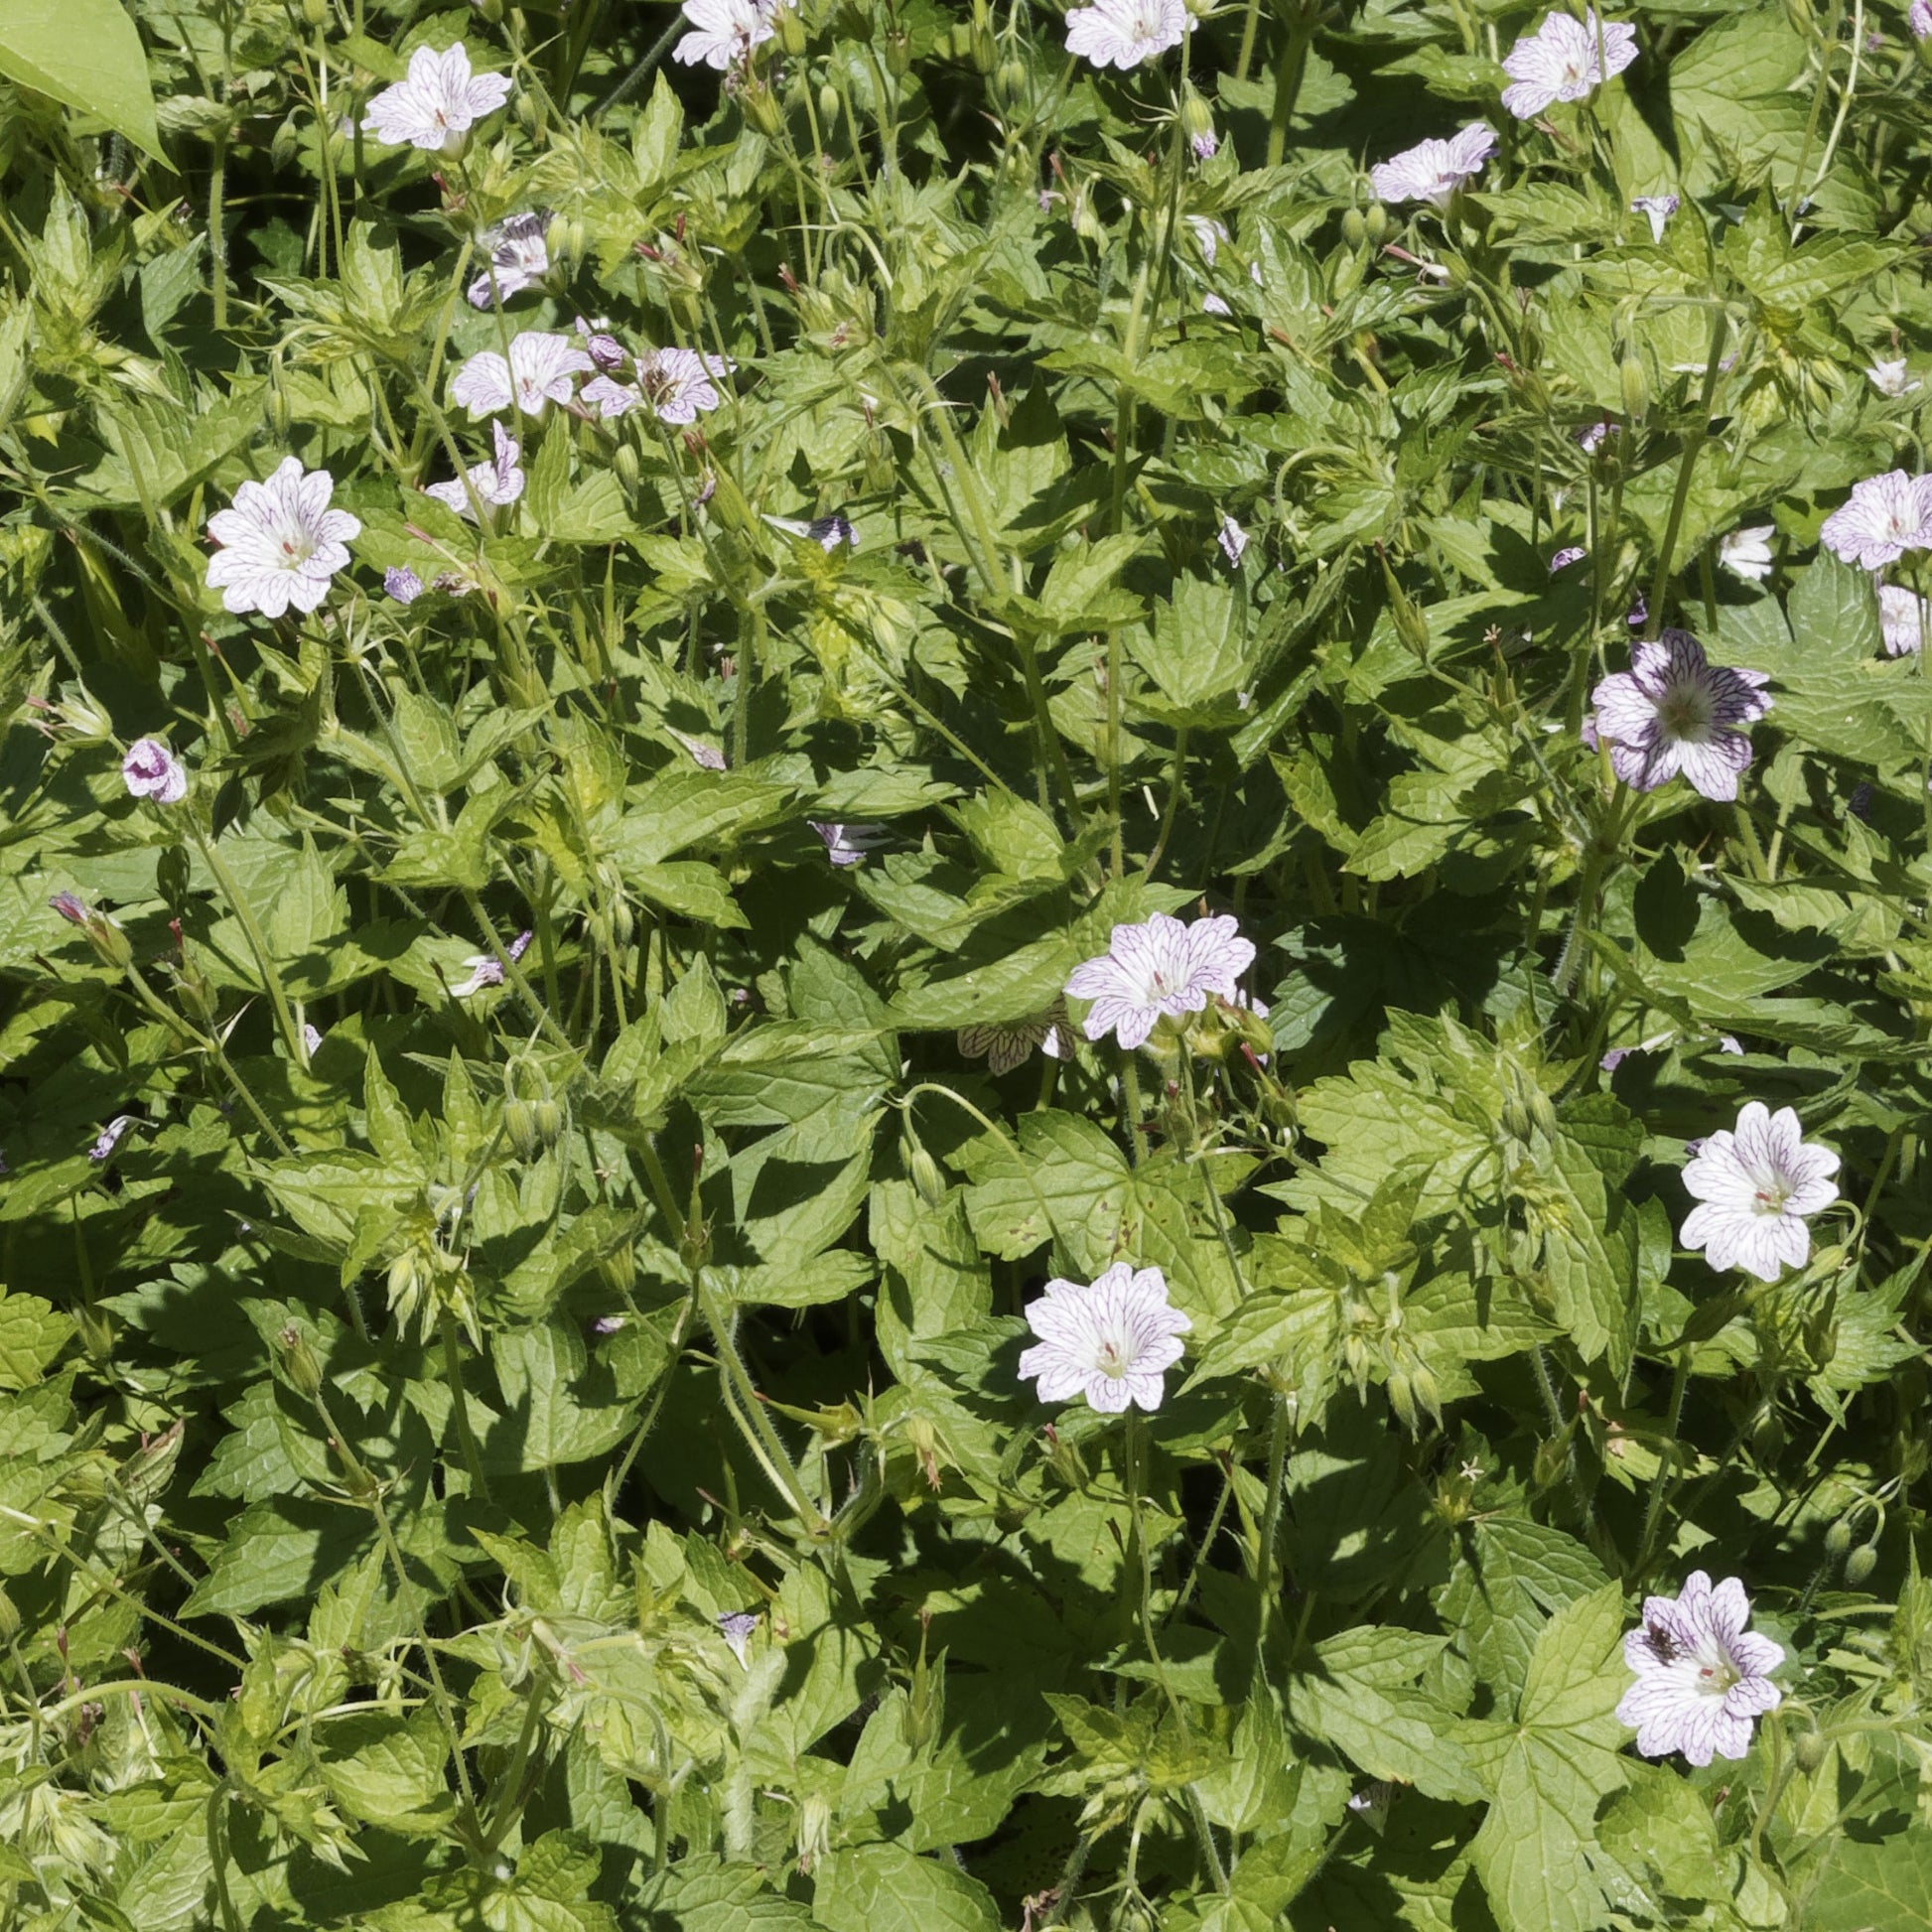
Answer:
(1158, 970)
(1898, 615)
(1882, 518)
(1659, 208)
(603, 347)
(1111, 1341)
(1215, 305)
(735, 1626)
(518, 259)
(725, 31)
(1433, 171)
(110, 1137)
(311, 1040)
(1701, 1677)
(1674, 712)
(706, 757)
(1125, 33)
(1890, 380)
(70, 908)
(539, 370)
(488, 970)
(1747, 552)
(675, 382)
(281, 543)
(402, 584)
(151, 770)
(1564, 59)
(438, 102)
(1754, 1188)
(496, 482)
(1371, 1805)
(1233, 540)
(1570, 553)
(1004, 1044)
(846, 845)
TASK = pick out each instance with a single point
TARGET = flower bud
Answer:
(761, 108)
(1859, 1565)
(1010, 85)
(520, 1124)
(829, 106)
(314, 12)
(899, 53)
(9, 1618)
(529, 112)
(1354, 229)
(630, 470)
(298, 1360)
(1377, 223)
(547, 1118)
(792, 36)
(1809, 1750)
(280, 413)
(1837, 1539)
(1636, 387)
(922, 1169)
(1197, 124)
(1552, 1459)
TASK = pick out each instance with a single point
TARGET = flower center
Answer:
(1113, 1356)
(1144, 23)
(1771, 1195)
(1685, 713)
(1717, 1674)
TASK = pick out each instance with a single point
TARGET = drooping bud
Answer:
(1859, 1565)
(1354, 229)
(792, 36)
(1809, 1750)
(1837, 1539)
(1636, 386)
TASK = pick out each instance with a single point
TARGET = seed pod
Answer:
(1636, 387)
(1859, 1565)
(791, 31)
(1376, 220)
(547, 1118)
(9, 1618)
(299, 1359)
(1354, 229)
(520, 1124)
(761, 108)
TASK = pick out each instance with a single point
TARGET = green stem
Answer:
(257, 944)
(1288, 87)
(1694, 440)
(466, 1434)
(760, 1437)
(1269, 1529)
(1661, 1482)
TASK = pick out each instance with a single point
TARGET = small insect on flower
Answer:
(1433, 171)
(675, 384)
(1674, 712)
(1890, 380)
(1882, 518)
(1111, 1341)
(1702, 1677)
(846, 845)
(724, 32)
(1126, 34)
(437, 106)
(281, 543)
(151, 770)
(1566, 59)
(1659, 209)
(1754, 1188)
(1900, 616)
(1158, 970)
(539, 370)
(488, 970)
(520, 258)
(1007, 1043)
(1747, 552)
(496, 482)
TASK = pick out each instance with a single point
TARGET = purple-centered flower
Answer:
(1747, 552)
(539, 371)
(1205, 145)
(1898, 615)
(1566, 59)
(485, 969)
(1701, 1677)
(1755, 1186)
(1659, 209)
(520, 258)
(438, 104)
(311, 1039)
(674, 384)
(1111, 1341)
(724, 32)
(1007, 1043)
(1882, 518)
(402, 584)
(1126, 34)
(495, 482)
(1158, 970)
(1432, 171)
(1675, 712)
(280, 542)
(1570, 553)
(151, 770)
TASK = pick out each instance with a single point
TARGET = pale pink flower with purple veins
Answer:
(1882, 518)
(1233, 540)
(485, 969)
(1570, 553)
(1433, 171)
(1659, 209)
(1890, 378)
(519, 259)
(675, 383)
(1566, 59)
(1754, 1188)
(281, 543)
(1673, 712)
(1006, 1043)
(151, 770)
(724, 32)
(1158, 970)
(607, 354)
(1125, 34)
(402, 584)
(110, 1137)
(736, 1627)
(1919, 18)
(1702, 1679)
(846, 845)
(539, 370)
(1111, 1341)
(1899, 617)
(498, 482)
(435, 108)
(1205, 145)
(1747, 552)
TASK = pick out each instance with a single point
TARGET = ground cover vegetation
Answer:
(964, 967)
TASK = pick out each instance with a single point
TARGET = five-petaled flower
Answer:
(1158, 970)
(1890, 378)
(724, 32)
(1747, 552)
(151, 770)
(539, 371)
(1900, 618)
(1675, 712)
(1882, 518)
(1124, 34)
(281, 543)
(1754, 1188)
(520, 258)
(1566, 59)
(495, 482)
(1432, 171)
(1006, 1043)
(1111, 1341)
(1701, 1677)
(674, 384)
(438, 104)
(1659, 209)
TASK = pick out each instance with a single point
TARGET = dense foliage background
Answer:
(451, 1348)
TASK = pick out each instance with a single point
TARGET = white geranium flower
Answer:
(539, 371)
(1566, 59)
(1882, 518)
(1125, 34)
(1900, 618)
(1702, 1679)
(1889, 378)
(1111, 1341)
(438, 103)
(724, 32)
(1004, 1044)
(1433, 171)
(1754, 1188)
(1158, 970)
(1747, 552)
(520, 258)
(151, 770)
(495, 482)
(674, 384)
(281, 543)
